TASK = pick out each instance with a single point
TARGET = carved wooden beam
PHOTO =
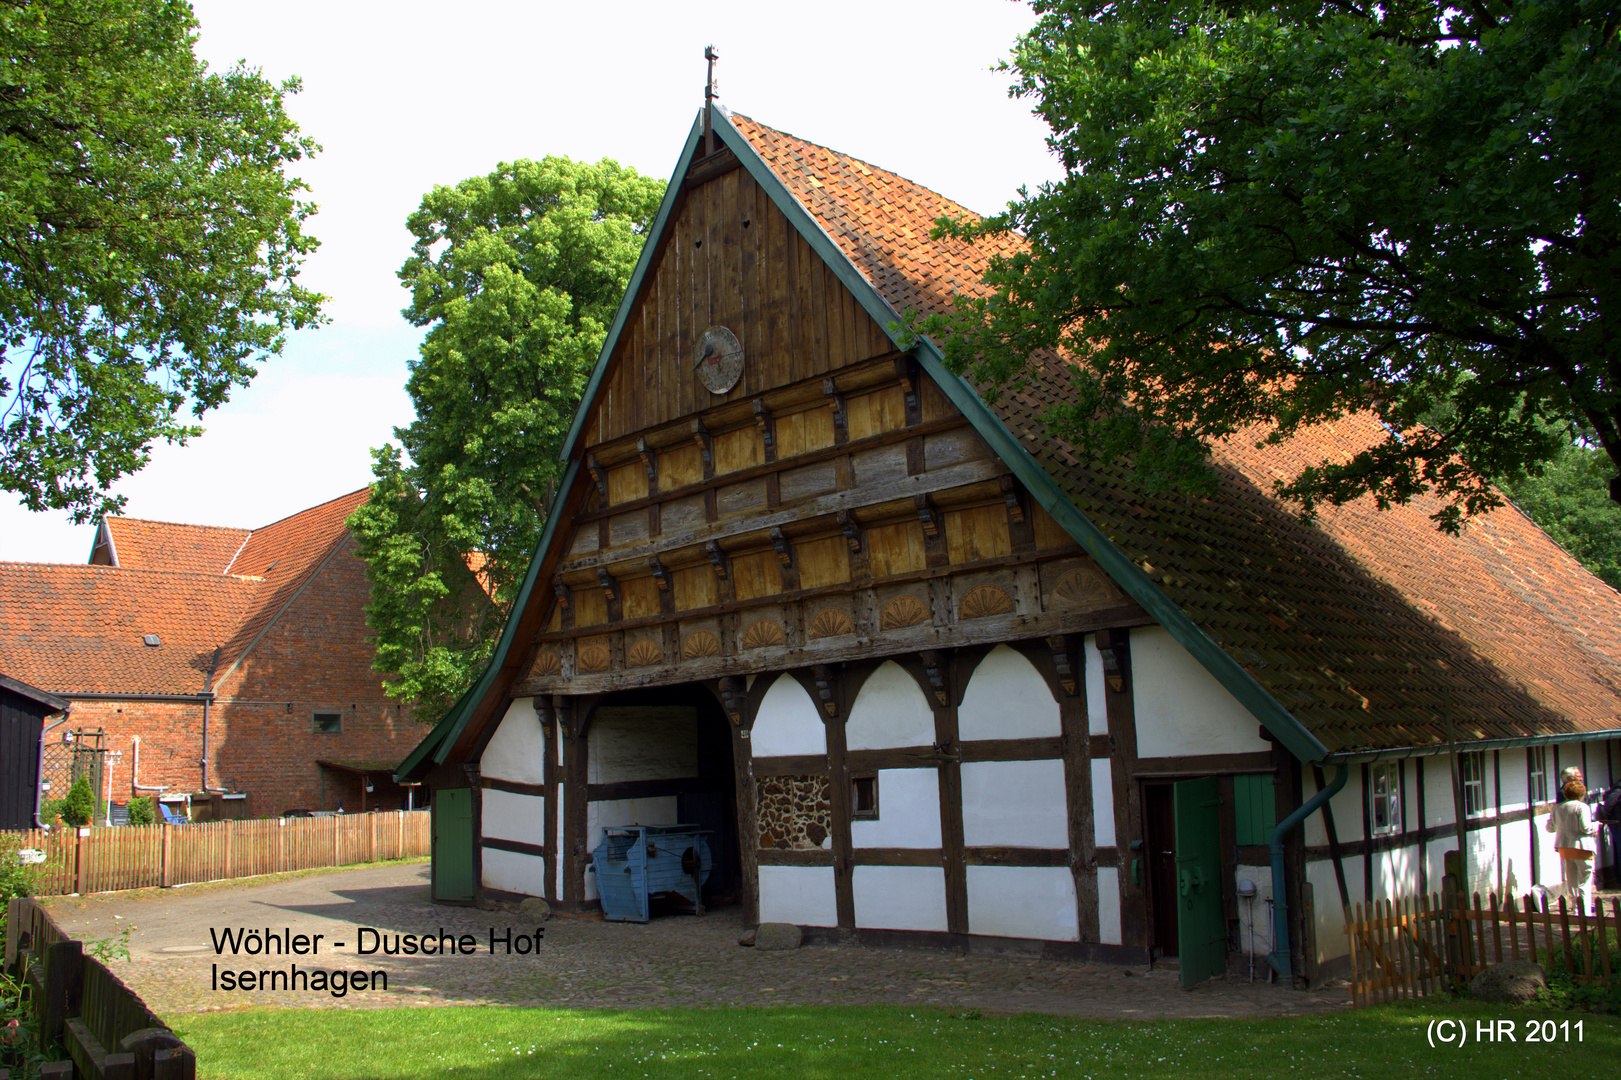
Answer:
(1113, 648)
(598, 475)
(610, 587)
(1010, 496)
(717, 557)
(935, 664)
(1063, 649)
(561, 591)
(841, 419)
(734, 697)
(768, 428)
(906, 376)
(706, 446)
(784, 549)
(852, 534)
(927, 514)
(660, 575)
(651, 458)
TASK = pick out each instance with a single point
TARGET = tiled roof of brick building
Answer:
(1371, 627)
(80, 629)
(166, 545)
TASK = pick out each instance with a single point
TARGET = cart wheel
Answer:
(690, 863)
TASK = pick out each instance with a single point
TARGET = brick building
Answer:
(216, 659)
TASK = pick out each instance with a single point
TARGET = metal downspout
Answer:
(1278, 958)
(208, 697)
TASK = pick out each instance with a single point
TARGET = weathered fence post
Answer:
(281, 856)
(64, 976)
(178, 1064)
(371, 845)
(164, 860)
(1452, 906)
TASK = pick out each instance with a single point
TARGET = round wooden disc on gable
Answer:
(719, 359)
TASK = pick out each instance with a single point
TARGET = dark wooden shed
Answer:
(23, 710)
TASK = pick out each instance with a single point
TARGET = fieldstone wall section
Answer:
(794, 812)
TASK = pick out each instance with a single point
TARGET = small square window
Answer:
(1472, 771)
(1537, 760)
(328, 723)
(1386, 797)
(864, 797)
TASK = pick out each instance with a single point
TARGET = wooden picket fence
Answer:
(1412, 947)
(144, 856)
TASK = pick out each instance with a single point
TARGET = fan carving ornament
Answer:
(699, 644)
(983, 601)
(762, 634)
(903, 611)
(831, 622)
(645, 653)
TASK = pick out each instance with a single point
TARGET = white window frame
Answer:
(1472, 776)
(1384, 798)
(1537, 781)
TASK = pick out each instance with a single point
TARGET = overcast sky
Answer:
(404, 96)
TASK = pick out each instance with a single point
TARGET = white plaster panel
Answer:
(1007, 699)
(908, 811)
(514, 817)
(557, 842)
(1330, 922)
(1180, 708)
(512, 872)
(1097, 715)
(890, 710)
(802, 895)
(1023, 902)
(1254, 932)
(517, 750)
(788, 722)
(1102, 803)
(900, 897)
(1108, 905)
(632, 742)
(1013, 804)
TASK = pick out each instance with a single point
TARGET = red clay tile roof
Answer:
(1369, 626)
(79, 629)
(165, 545)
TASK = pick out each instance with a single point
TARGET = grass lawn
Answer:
(844, 1043)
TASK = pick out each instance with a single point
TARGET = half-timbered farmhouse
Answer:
(927, 678)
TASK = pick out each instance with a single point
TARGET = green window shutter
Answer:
(1254, 809)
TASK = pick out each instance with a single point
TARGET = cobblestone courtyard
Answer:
(586, 963)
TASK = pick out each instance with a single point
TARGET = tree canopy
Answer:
(150, 238)
(1278, 214)
(517, 276)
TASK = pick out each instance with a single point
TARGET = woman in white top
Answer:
(1572, 825)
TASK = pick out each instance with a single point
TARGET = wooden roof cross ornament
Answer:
(710, 94)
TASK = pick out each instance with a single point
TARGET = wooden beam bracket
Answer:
(560, 591)
(934, 666)
(610, 587)
(1013, 499)
(598, 475)
(717, 558)
(906, 376)
(734, 696)
(928, 515)
(852, 531)
(706, 445)
(783, 547)
(768, 428)
(661, 576)
(651, 458)
(841, 418)
(1063, 650)
(1112, 646)
(826, 678)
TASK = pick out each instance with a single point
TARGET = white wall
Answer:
(1254, 915)
(1097, 716)
(512, 872)
(642, 743)
(788, 722)
(803, 895)
(1108, 905)
(908, 811)
(900, 897)
(514, 817)
(890, 710)
(1102, 803)
(1180, 708)
(1007, 698)
(517, 750)
(1023, 901)
(1014, 804)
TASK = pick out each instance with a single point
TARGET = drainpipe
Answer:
(1279, 957)
(39, 773)
(208, 697)
(135, 771)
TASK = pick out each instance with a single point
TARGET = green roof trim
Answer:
(448, 730)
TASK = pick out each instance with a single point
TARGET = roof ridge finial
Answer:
(710, 94)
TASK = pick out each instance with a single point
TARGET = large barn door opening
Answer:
(1201, 925)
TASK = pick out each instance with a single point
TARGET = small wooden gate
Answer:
(1411, 947)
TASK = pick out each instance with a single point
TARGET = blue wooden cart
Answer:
(635, 863)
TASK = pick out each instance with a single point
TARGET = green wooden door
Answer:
(453, 845)
(1200, 926)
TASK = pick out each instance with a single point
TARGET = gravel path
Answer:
(585, 962)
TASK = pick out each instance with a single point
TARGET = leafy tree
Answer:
(516, 275)
(1280, 213)
(1566, 498)
(141, 812)
(149, 239)
(79, 805)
